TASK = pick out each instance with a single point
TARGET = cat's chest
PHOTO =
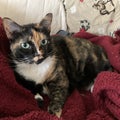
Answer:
(38, 73)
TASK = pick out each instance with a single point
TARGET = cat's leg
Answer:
(39, 99)
(58, 91)
(37, 94)
(57, 96)
(40, 89)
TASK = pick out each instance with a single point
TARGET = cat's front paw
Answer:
(39, 100)
(55, 109)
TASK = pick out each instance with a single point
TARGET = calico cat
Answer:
(52, 64)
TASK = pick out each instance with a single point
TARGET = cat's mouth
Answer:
(38, 59)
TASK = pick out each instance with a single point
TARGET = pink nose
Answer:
(38, 57)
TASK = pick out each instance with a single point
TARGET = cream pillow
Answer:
(30, 11)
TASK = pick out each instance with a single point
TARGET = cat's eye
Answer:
(44, 42)
(25, 45)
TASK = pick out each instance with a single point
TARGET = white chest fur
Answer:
(37, 73)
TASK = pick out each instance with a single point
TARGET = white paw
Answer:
(91, 90)
(38, 96)
(39, 100)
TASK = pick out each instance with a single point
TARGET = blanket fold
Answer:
(107, 92)
(17, 103)
(111, 46)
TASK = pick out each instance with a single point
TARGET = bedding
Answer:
(100, 17)
(17, 103)
(29, 11)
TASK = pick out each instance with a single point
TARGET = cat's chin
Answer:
(39, 61)
(36, 62)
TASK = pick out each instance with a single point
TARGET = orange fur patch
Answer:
(37, 37)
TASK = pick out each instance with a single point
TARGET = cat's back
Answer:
(75, 47)
(69, 41)
(83, 60)
(78, 51)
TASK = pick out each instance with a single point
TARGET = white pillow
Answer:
(32, 11)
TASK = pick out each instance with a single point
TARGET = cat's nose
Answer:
(37, 54)
(37, 57)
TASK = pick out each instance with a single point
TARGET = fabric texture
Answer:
(96, 16)
(27, 11)
(17, 103)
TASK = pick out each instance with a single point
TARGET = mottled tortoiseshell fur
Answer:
(52, 64)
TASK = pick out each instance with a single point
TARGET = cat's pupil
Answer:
(25, 45)
(44, 42)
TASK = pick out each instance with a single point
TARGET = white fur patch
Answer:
(38, 96)
(36, 72)
(91, 90)
(90, 87)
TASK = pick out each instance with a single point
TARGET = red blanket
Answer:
(17, 103)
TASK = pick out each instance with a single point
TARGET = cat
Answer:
(54, 65)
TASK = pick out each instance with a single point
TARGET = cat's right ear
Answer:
(10, 27)
(46, 21)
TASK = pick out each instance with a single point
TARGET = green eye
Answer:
(25, 45)
(44, 42)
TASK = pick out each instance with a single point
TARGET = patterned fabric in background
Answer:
(100, 17)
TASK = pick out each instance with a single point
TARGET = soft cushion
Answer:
(29, 11)
(96, 16)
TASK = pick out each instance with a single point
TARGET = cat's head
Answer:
(29, 43)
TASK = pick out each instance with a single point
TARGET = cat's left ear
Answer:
(46, 21)
(10, 27)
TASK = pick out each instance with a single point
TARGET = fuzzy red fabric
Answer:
(17, 103)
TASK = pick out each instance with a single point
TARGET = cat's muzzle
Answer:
(38, 59)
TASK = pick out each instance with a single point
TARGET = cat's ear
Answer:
(46, 21)
(10, 27)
